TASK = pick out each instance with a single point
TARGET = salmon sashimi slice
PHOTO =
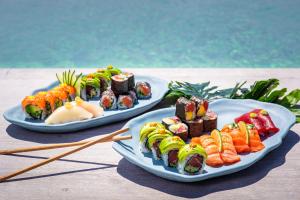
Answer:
(227, 149)
(238, 137)
(255, 141)
(213, 155)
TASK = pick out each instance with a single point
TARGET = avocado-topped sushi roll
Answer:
(168, 121)
(34, 107)
(146, 129)
(113, 70)
(143, 90)
(185, 109)
(133, 96)
(131, 81)
(119, 84)
(108, 100)
(90, 87)
(124, 102)
(180, 129)
(195, 127)
(191, 159)
(169, 148)
(201, 106)
(154, 139)
(104, 78)
(210, 121)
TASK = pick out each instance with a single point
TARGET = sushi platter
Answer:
(77, 101)
(183, 143)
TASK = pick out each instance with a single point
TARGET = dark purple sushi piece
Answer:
(195, 127)
(185, 109)
(119, 84)
(133, 96)
(210, 121)
(201, 106)
(108, 100)
(179, 129)
(124, 102)
(131, 81)
(143, 90)
(168, 121)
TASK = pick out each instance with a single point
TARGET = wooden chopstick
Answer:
(54, 146)
(51, 159)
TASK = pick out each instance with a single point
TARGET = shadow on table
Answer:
(198, 189)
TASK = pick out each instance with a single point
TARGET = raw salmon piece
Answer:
(255, 141)
(238, 138)
(228, 154)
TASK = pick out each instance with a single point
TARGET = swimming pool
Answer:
(150, 33)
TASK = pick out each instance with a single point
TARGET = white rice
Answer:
(181, 166)
(143, 147)
(154, 154)
(165, 158)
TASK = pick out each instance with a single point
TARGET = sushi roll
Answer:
(113, 70)
(133, 96)
(66, 90)
(131, 81)
(90, 87)
(201, 106)
(180, 129)
(191, 159)
(108, 100)
(154, 139)
(146, 129)
(124, 102)
(185, 109)
(195, 127)
(143, 90)
(168, 121)
(104, 78)
(119, 84)
(34, 107)
(169, 148)
(52, 102)
(210, 121)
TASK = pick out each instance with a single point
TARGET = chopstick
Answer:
(54, 146)
(51, 159)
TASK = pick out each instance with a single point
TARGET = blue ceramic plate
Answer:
(227, 110)
(159, 87)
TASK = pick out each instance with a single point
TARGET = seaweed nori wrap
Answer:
(185, 109)
(146, 129)
(119, 84)
(131, 81)
(169, 148)
(124, 102)
(143, 90)
(201, 106)
(90, 87)
(210, 121)
(191, 159)
(154, 139)
(179, 129)
(195, 127)
(108, 100)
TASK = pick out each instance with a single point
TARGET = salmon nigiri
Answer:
(213, 155)
(226, 147)
(240, 139)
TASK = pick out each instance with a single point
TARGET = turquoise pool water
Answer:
(150, 33)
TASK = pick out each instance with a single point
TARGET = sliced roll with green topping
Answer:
(191, 159)
(90, 87)
(145, 131)
(169, 148)
(154, 139)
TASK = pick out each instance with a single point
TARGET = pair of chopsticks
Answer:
(82, 145)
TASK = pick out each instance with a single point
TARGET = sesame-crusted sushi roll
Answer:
(146, 129)
(180, 129)
(90, 87)
(168, 121)
(185, 109)
(201, 106)
(169, 148)
(124, 102)
(191, 159)
(143, 90)
(34, 107)
(108, 100)
(119, 84)
(154, 139)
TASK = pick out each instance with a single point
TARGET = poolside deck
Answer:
(100, 173)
